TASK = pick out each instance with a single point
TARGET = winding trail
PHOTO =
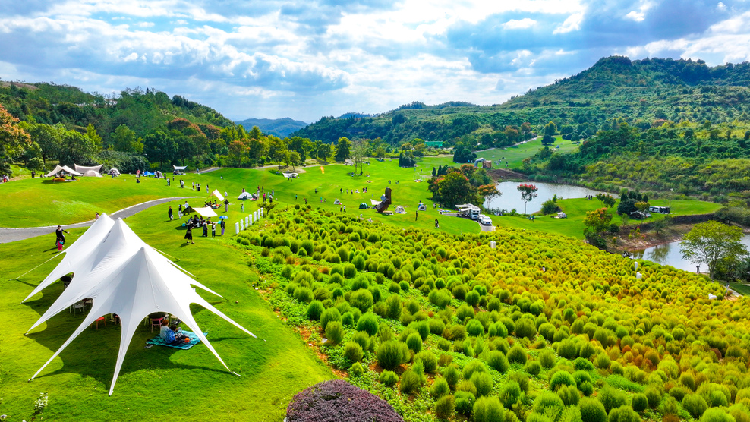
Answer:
(8, 235)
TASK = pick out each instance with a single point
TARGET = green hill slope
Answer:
(615, 87)
(279, 127)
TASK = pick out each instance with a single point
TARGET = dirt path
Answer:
(8, 235)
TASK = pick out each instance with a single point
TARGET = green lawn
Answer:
(192, 381)
(516, 154)
(41, 202)
(576, 210)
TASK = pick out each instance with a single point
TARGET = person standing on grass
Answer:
(223, 226)
(242, 207)
(60, 237)
(189, 234)
(213, 230)
(226, 205)
(416, 216)
(437, 224)
(170, 213)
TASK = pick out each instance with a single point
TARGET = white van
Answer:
(485, 220)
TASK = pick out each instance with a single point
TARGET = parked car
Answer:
(485, 220)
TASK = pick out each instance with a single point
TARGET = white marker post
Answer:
(236, 228)
(242, 225)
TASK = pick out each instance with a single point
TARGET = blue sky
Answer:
(276, 58)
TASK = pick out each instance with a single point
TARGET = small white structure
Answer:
(121, 274)
(337, 202)
(291, 175)
(493, 244)
(114, 172)
(60, 169)
(399, 210)
(179, 170)
(421, 207)
(92, 171)
(244, 196)
(206, 212)
(561, 215)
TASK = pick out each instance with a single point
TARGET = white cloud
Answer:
(145, 24)
(130, 57)
(572, 23)
(721, 6)
(519, 23)
(641, 13)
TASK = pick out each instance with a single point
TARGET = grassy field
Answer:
(576, 210)
(274, 367)
(41, 202)
(516, 154)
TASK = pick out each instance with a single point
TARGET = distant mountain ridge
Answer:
(639, 91)
(278, 127)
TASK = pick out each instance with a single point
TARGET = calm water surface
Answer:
(669, 254)
(511, 197)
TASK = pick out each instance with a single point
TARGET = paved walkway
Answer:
(8, 235)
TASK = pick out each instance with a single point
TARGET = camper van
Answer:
(468, 211)
(660, 210)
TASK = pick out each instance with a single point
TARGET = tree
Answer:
(528, 192)
(95, 138)
(159, 147)
(488, 191)
(712, 242)
(123, 139)
(454, 189)
(606, 199)
(463, 155)
(76, 148)
(359, 153)
(597, 221)
(343, 149)
(323, 150)
(294, 159)
(12, 136)
(550, 129)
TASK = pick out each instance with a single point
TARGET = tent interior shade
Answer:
(123, 275)
(58, 169)
(179, 167)
(89, 171)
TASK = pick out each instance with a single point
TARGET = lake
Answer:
(669, 254)
(511, 197)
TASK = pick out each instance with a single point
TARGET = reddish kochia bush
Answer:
(337, 400)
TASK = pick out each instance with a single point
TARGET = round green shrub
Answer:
(464, 402)
(347, 319)
(716, 415)
(334, 332)
(472, 298)
(356, 369)
(624, 414)
(592, 410)
(688, 380)
(525, 327)
(388, 378)
(653, 395)
(547, 358)
(429, 361)
(303, 295)
(421, 327)
(451, 375)
(411, 382)
(510, 393)
(521, 379)
(639, 402)
(517, 355)
(414, 342)
(361, 299)
(678, 392)
(547, 331)
(569, 395)
(567, 349)
(533, 367)
(582, 364)
(602, 361)
(465, 311)
(612, 398)
(561, 378)
(475, 328)
(393, 307)
(498, 330)
(497, 361)
(581, 377)
(548, 401)
(586, 388)
(437, 326)
(472, 367)
(483, 383)
(445, 407)
(329, 315)
(368, 323)
(353, 352)
(439, 388)
(488, 409)
(314, 310)
(391, 354)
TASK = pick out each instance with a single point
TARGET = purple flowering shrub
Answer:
(337, 400)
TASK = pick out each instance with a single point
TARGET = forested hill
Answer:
(639, 91)
(278, 127)
(141, 111)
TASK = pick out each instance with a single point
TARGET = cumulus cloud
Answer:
(279, 58)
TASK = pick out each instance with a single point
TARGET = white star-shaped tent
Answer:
(124, 275)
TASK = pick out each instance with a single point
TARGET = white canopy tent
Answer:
(218, 195)
(400, 210)
(114, 171)
(206, 212)
(93, 171)
(245, 196)
(179, 168)
(123, 275)
(58, 168)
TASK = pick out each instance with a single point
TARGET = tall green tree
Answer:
(711, 243)
(343, 149)
(160, 147)
(123, 139)
(454, 189)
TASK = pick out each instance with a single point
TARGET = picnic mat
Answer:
(157, 341)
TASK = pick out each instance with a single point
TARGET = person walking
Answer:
(416, 216)
(170, 213)
(223, 226)
(60, 237)
(213, 230)
(226, 205)
(437, 224)
(189, 234)
(179, 211)
(242, 207)
(205, 229)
